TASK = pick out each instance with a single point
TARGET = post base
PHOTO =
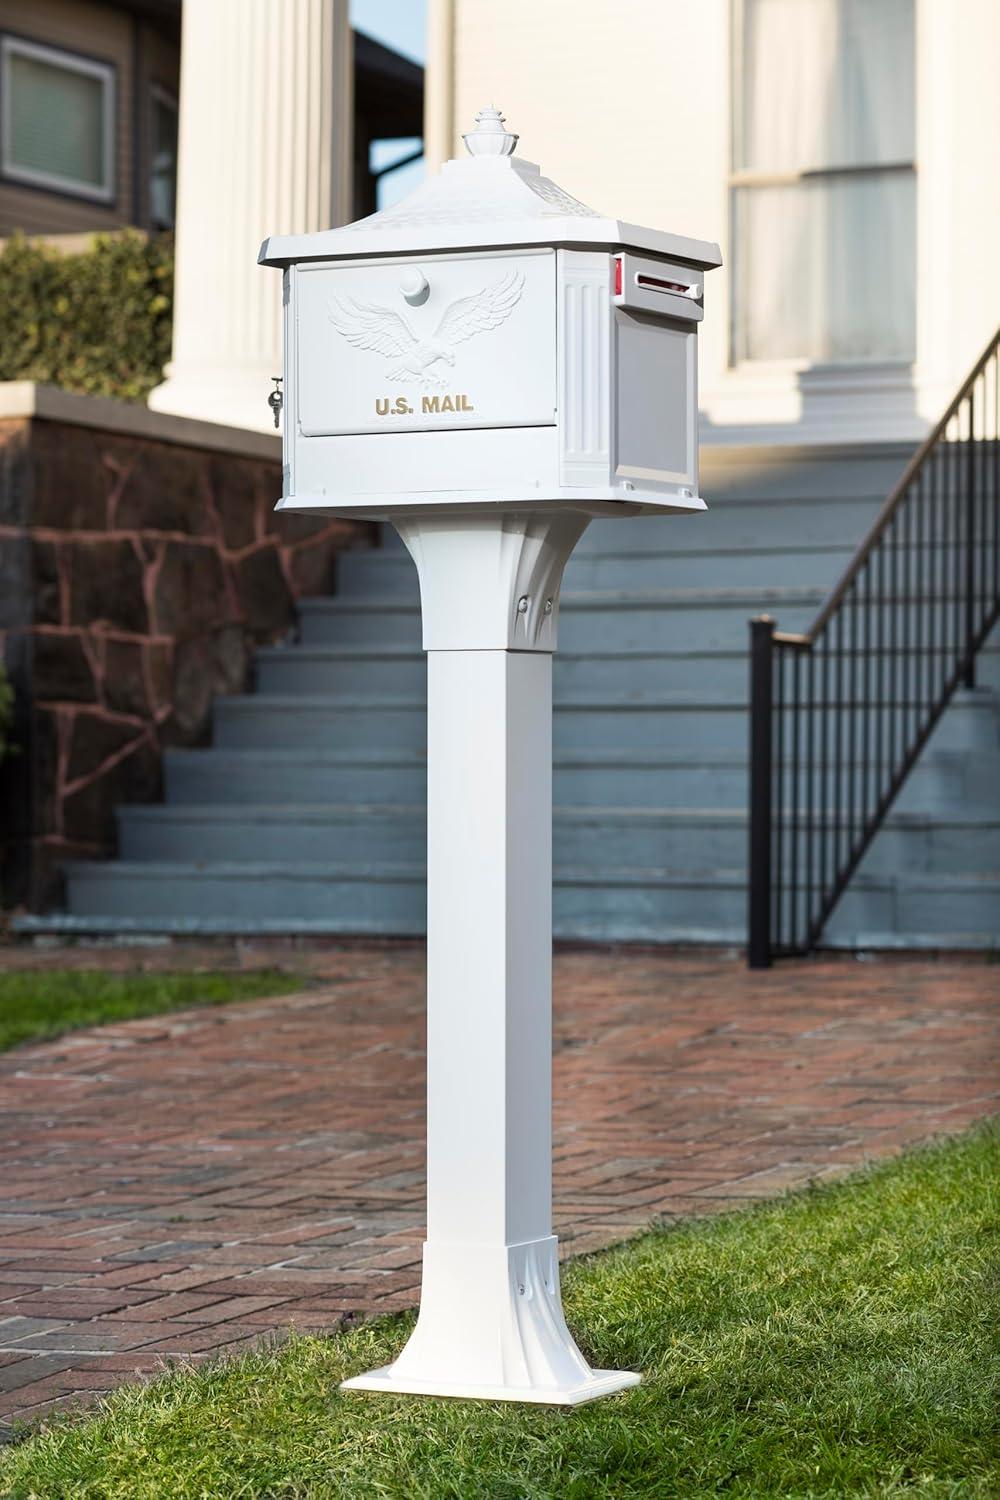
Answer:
(491, 1327)
(601, 1383)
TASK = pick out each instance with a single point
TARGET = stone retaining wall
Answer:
(136, 576)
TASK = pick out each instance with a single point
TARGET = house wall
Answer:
(136, 575)
(628, 107)
(137, 50)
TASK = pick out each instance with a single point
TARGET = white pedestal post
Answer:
(491, 1322)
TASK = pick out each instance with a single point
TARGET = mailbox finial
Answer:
(489, 137)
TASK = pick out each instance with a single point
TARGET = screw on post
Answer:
(276, 400)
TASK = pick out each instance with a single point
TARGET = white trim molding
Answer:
(778, 402)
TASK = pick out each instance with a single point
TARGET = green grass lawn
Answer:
(841, 1342)
(36, 1004)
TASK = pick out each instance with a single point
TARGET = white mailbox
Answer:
(489, 364)
(504, 339)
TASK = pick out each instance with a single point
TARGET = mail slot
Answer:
(658, 287)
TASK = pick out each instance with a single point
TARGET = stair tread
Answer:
(376, 604)
(300, 651)
(278, 756)
(618, 554)
(306, 702)
(566, 812)
(976, 698)
(603, 699)
(721, 936)
(586, 755)
(401, 870)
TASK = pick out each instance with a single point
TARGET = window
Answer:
(57, 123)
(823, 182)
(162, 158)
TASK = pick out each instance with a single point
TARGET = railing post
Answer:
(969, 667)
(761, 768)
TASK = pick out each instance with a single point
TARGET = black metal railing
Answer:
(839, 715)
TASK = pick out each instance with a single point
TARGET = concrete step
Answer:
(726, 529)
(629, 621)
(384, 672)
(624, 620)
(246, 776)
(350, 723)
(381, 573)
(677, 721)
(630, 904)
(941, 781)
(728, 525)
(742, 513)
(604, 838)
(352, 670)
(350, 897)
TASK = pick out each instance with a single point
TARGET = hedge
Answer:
(96, 322)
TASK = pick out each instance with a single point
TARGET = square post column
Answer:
(491, 1321)
(489, 933)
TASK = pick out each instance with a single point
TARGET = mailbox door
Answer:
(656, 310)
(425, 344)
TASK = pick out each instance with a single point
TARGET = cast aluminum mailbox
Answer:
(489, 365)
(508, 342)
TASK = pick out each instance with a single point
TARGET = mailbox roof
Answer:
(478, 203)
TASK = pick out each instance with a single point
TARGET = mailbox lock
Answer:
(414, 287)
(522, 605)
(548, 606)
(276, 400)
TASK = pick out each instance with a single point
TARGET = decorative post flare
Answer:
(489, 365)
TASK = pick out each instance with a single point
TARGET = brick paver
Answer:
(182, 1185)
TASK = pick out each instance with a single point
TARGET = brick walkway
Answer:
(180, 1186)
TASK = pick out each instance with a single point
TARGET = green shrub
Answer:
(96, 322)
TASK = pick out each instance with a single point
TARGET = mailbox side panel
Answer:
(289, 395)
(656, 402)
(657, 308)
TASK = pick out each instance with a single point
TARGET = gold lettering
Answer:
(382, 406)
(430, 403)
(466, 404)
(447, 404)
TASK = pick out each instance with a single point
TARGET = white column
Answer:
(958, 204)
(265, 147)
(439, 84)
(491, 1321)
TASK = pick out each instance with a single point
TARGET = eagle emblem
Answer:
(369, 326)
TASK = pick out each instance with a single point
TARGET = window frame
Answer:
(158, 94)
(72, 62)
(743, 177)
